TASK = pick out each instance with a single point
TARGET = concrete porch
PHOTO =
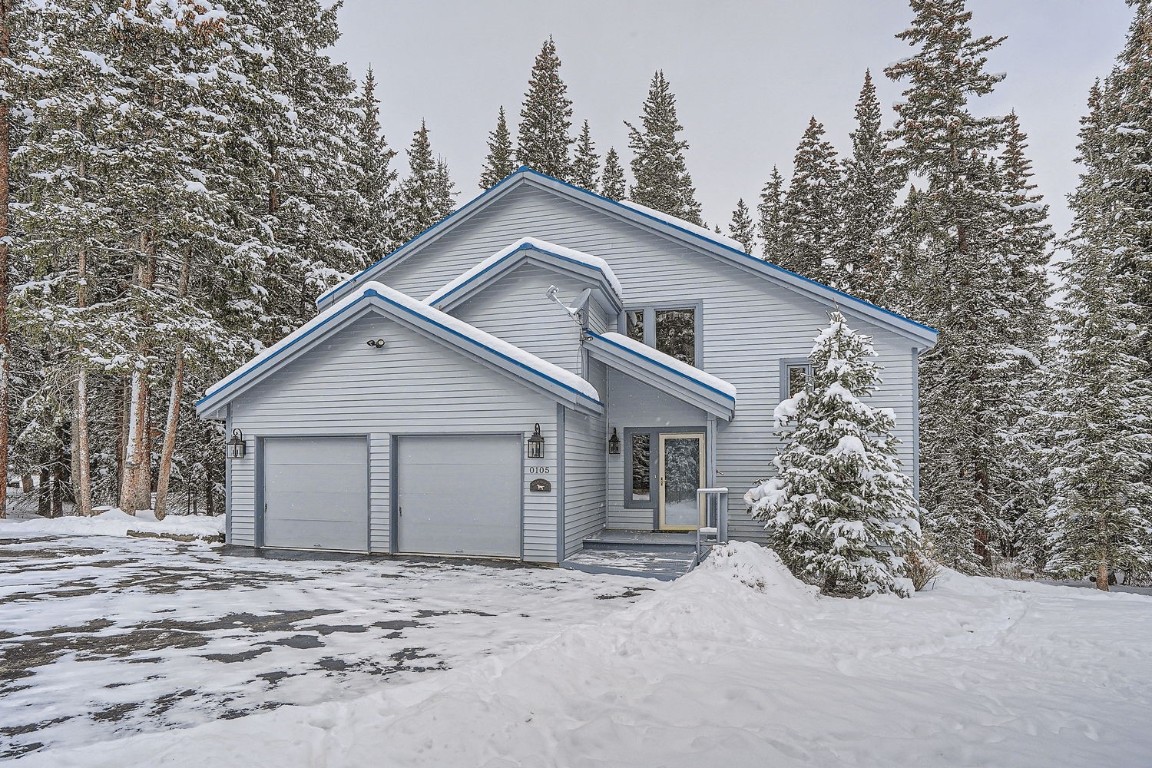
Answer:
(647, 554)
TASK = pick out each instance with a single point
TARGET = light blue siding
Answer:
(585, 454)
(516, 309)
(414, 385)
(749, 323)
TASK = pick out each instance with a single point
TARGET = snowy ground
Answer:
(734, 665)
(103, 636)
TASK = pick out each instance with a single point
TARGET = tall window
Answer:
(641, 461)
(793, 376)
(671, 330)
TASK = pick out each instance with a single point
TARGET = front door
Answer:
(681, 475)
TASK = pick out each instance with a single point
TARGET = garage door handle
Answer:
(399, 511)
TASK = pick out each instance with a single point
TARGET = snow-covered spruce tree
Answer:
(771, 213)
(500, 161)
(949, 277)
(1129, 145)
(1020, 259)
(444, 191)
(856, 262)
(840, 510)
(585, 162)
(369, 218)
(612, 179)
(742, 228)
(422, 195)
(810, 208)
(546, 117)
(1101, 408)
(659, 171)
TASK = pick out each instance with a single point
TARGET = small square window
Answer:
(676, 334)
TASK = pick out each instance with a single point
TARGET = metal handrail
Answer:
(720, 528)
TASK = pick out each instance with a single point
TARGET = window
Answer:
(793, 376)
(640, 461)
(674, 330)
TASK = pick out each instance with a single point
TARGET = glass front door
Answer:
(681, 475)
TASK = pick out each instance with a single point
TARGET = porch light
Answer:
(614, 443)
(236, 445)
(536, 444)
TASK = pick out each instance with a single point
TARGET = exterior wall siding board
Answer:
(516, 309)
(414, 385)
(749, 324)
(584, 453)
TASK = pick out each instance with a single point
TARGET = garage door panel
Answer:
(459, 494)
(316, 493)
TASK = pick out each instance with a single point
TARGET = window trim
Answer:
(650, 310)
(629, 501)
(792, 362)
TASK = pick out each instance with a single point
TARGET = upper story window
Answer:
(794, 375)
(673, 330)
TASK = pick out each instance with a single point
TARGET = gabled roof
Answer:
(372, 296)
(669, 226)
(530, 249)
(666, 373)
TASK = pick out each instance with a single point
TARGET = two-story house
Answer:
(541, 365)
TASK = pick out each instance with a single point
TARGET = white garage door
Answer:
(459, 495)
(316, 493)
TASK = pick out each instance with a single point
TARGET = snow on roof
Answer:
(455, 326)
(667, 361)
(695, 229)
(571, 254)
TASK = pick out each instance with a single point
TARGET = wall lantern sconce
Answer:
(236, 445)
(377, 343)
(536, 444)
(614, 443)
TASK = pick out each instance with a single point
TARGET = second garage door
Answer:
(459, 495)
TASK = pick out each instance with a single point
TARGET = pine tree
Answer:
(662, 181)
(1101, 406)
(585, 163)
(612, 180)
(771, 212)
(444, 191)
(370, 217)
(949, 278)
(422, 195)
(810, 207)
(840, 510)
(546, 117)
(857, 258)
(499, 163)
(741, 227)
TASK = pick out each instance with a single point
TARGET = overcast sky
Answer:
(747, 74)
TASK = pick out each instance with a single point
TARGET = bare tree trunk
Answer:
(136, 485)
(1102, 576)
(82, 459)
(169, 449)
(173, 423)
(5, 233)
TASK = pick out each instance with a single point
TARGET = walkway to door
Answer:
(662, 556)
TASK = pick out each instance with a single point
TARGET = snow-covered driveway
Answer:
(102, 636)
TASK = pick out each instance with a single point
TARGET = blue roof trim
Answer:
(498, 353)
(231, 382)
(374, 294)
(526, 171)
(352, 281)
(727, 248)
(659, 364)
(510, 254)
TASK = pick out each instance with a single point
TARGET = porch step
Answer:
(663, 564)
(646, 540)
